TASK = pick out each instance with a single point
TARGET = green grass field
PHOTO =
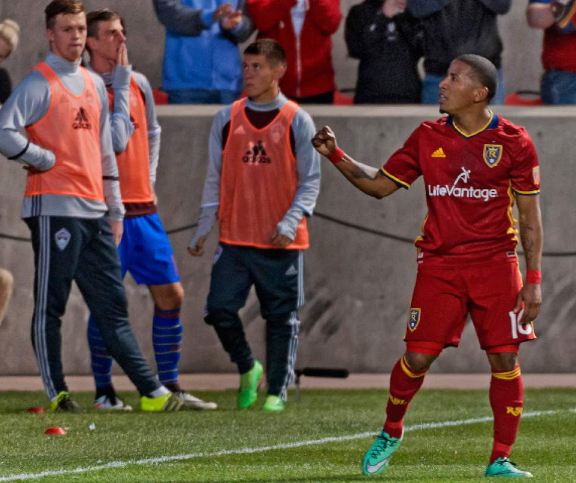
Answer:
(320, 438)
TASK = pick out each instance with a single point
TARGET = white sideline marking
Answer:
(261, 449)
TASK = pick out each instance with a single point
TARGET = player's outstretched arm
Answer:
(531, 235)
(366, 178)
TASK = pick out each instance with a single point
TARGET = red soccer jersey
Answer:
(470, 183)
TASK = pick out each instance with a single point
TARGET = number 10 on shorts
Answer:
(517, 327)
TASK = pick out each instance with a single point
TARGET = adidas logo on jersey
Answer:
(81, 120)
(256, 154)
(439, 153)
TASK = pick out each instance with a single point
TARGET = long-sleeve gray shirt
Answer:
(27, 105)
(121, 125)
(308, 168)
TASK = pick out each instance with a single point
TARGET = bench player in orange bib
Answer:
(262, 183)
(145, 250)
(72, 206)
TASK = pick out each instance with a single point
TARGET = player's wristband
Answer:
(534, 276)
(337, 156)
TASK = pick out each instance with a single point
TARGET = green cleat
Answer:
(273, 404)
(249, 381)
(378, 456)
(505, 468)
(166, 402)
(64, 404)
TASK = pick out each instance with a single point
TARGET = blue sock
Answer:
(100, 360)
(167, 339)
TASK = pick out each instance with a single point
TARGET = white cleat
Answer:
(192, 402)
(104, 403)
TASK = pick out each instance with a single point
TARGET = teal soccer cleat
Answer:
(378, 456)
(505, 468)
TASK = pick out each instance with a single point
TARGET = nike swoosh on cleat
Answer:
(374, 468)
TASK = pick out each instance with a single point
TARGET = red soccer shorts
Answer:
(445, 294)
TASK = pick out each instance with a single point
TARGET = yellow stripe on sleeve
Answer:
(394, 178)
(535, 192)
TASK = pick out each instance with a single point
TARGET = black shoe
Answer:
(64, 404)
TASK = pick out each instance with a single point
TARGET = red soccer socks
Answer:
(404, 384)
(506, 399)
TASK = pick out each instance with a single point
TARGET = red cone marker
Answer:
(36, 410)
(57, 430)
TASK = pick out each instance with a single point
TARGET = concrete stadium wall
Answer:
(522, 68)
(358, 280)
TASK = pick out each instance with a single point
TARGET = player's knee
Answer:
(503, 361)
(221, 318)
(419, 362)
(172, 298)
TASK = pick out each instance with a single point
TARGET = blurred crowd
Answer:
(403, 46)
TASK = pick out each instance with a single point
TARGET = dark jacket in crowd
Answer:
(388, 50)
(455, 27)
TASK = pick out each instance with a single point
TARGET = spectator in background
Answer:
(304, 29)
(558, 54)
(455, 27)
(201, 57)
(388, 42)
(9, 35)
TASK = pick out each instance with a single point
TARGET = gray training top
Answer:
(121, 124)
(308, 167)
(27, 105)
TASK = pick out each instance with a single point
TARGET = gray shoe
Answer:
(192, 402)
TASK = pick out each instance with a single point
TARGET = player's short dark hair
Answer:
(94, 17)
(57, 7)
(270, 49)
(483, 70)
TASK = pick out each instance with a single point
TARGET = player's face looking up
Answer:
(109, 37)
(460, 89)
(68, 36)
(261, 78)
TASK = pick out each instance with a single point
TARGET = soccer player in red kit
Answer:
(475, 165)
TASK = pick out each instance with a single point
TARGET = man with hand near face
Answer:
(145, 250)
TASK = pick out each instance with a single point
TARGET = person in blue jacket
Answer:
(201, 57)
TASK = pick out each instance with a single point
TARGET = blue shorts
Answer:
(146, 253)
